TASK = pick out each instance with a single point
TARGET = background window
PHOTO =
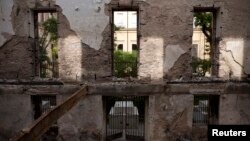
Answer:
(120, 47)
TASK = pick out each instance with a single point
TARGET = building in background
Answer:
(164, 101)
(126, 30)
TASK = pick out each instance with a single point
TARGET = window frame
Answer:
(213, 100)
(117, 9)
(36, 11)
(214, 48)
(39, 98)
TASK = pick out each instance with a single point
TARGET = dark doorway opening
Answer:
(206, 109)
(125, 118)
(41, 105)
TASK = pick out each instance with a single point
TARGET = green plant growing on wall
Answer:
(201, 66)
(117, 28)
(125, 64)
(48, 38)
(203, 20)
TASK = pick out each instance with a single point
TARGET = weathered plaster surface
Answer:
(151, 56)
(165, 37)
(246, 62)
(22, 18)
(234, 45)
(170, 117)
(199, 133)
(16, 113)
(85, 52)
(16, 108)
(16, 56)
(181, 69)
(78, 61)
(84, 122)
(172, 53)
(6, 29)
(87, 19)
(15, 59)
(233, 109)
(233, 57)
(71, 58)
(159, 20)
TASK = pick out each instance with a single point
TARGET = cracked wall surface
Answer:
(87, 19)
(16, 48)
(165, 35)
(5, 14)
(84, 55)
(13, 119)
(17, 110)
(234, 45)
(159, 20)
(170, 120)
(16, 58)
(76, 126)
(234, 104)
(169, 109)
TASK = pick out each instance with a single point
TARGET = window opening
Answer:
(206, 109)
(125, 118)
(120, 47)
(203, 43)
(41, 105)
(124, 57)
(47, 37)
(134, 47)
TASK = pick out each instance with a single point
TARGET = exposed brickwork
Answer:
(16, 58)
(85, 50)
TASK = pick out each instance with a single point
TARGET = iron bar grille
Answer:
(125, 118)
(43, 104)
(200, 111)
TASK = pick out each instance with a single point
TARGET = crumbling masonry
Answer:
(164, 71)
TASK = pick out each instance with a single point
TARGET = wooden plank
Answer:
(42, 124)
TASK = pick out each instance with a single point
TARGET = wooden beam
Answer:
(42, 124)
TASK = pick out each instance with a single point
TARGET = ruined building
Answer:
(163, 75)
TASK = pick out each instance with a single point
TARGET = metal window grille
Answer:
(206, 109)
(43, 104)
(200, 111)
(125, 118)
